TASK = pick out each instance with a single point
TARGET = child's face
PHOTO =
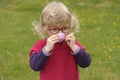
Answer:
(55, 30)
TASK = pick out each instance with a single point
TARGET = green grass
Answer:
(100, 33)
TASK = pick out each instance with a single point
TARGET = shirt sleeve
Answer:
(38, 56)
(82, 58)
(38, 60)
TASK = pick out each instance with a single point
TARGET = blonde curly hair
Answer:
(55, 13)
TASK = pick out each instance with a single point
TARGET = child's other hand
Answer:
(70, 38)
(50, 42)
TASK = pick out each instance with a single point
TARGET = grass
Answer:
(99, 33)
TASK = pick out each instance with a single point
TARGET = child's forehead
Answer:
(62, 24)
(58, 26)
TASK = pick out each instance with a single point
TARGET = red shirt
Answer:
(61, 64)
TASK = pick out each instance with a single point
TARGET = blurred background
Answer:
(99, 32)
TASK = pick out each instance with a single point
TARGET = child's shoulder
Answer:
(81, 45)
(41, 41)
(38, 45)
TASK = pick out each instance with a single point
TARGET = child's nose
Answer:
(60, 31)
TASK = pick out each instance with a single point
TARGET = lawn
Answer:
(99, 32)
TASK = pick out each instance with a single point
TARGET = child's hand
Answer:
(70, 38)
(50, 42)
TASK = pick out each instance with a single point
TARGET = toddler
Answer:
(57, 55)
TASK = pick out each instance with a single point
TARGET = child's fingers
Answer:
(70, 36)
(54, 38)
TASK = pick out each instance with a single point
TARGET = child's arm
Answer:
(38, 60)
(83, 59)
